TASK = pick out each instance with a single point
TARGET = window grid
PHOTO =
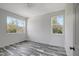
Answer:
(15, 25)
(57, 23)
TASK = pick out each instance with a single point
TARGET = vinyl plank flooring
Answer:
(29, 48)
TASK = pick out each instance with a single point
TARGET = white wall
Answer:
(39, 30)
(5, 38)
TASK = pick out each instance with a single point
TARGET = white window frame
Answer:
(16, 26)
(61, 13)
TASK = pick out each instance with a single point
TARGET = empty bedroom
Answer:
(39, 29)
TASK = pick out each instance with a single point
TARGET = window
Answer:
(57, 23)
(15, 25)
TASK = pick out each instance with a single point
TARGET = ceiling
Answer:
(32, 9)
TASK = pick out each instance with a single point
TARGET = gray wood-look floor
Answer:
(29, 48)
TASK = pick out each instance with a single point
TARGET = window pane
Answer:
(20, 26)
(11, 25)
(60, 20)
(53, 20)
(57, 23)
(57, 29)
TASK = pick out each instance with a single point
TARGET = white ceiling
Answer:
(32, 9)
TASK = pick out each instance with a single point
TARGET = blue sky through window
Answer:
(19, 23)
(60, 20)
(10, 20)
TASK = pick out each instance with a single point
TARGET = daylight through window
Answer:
(15, 25)
(57, 23)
